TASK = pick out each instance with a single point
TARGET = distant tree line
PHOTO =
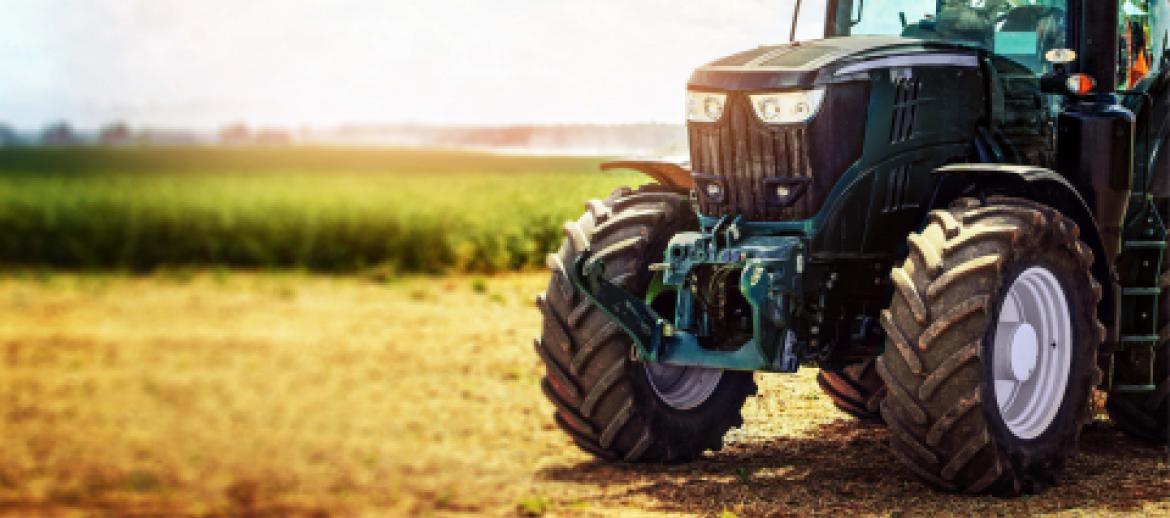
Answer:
(646, 138)
(121, 134)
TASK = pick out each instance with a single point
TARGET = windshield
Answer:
(1019, 29)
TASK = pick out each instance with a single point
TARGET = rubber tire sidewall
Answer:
(1079, 388)
(689, 427)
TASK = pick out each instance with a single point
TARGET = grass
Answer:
(320, 209)
(293, 394)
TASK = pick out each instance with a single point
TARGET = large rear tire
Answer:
(611, 405)
(991, 347)
(855, 389)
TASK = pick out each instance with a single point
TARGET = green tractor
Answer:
(950, 207)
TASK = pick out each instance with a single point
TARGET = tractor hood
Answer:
(812, 63)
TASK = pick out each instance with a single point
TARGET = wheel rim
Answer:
(1032, 353)
(680, 387)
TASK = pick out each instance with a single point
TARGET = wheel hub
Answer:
(1032, 353)
(1021, 339)
(682, 387)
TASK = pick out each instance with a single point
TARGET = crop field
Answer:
(291, 394)
(320, 209)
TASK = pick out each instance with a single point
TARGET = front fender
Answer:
(668, 173)
(1037, 184)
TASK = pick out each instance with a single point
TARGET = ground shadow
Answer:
(846, 466)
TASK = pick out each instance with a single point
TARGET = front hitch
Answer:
(656, 339)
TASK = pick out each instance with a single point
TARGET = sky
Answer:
(323, 63)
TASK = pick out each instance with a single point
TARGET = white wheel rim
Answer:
(680, 387)
(1032, 353)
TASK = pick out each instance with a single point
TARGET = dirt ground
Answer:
(285, 394)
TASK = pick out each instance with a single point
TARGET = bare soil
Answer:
(285, 394)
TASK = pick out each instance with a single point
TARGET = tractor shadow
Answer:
(845, 466)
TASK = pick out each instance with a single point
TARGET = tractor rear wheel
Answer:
(992, 337)
(1147, 416)
(855, 389)
(610, 404)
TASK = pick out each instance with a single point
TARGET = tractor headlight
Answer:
(788, 107)
(705, 106)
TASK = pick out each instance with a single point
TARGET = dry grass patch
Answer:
(283, 394)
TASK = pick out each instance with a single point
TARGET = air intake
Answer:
(906, 92)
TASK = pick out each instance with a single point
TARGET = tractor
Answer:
(951, 208)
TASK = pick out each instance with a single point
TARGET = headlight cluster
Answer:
(788, 107)
(777, 108)
(704, 106)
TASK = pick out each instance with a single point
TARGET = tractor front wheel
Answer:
(991, 347)
(610, 404)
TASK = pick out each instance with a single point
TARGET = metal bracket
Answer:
(634, 316)
(655, 339)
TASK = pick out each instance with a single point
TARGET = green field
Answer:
(321, 209)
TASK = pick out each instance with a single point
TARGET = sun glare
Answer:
(293, 64)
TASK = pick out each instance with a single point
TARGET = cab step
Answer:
(1145, 245)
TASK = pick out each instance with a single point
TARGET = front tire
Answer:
(992, 338)
(610, 404)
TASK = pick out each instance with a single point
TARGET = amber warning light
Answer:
(1081, 84)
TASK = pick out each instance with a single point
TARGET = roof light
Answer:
(1060, 56)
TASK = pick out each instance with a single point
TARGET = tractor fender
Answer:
(1037, 184)
(672, 174)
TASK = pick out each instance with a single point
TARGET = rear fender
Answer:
(672, 174)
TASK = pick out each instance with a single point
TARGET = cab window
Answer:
(1144, 29)
(1023, 30)
(1159, 29)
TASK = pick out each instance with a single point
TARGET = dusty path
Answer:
(285, 394)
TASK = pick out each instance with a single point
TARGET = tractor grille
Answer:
(742, 152)
(750, 161)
